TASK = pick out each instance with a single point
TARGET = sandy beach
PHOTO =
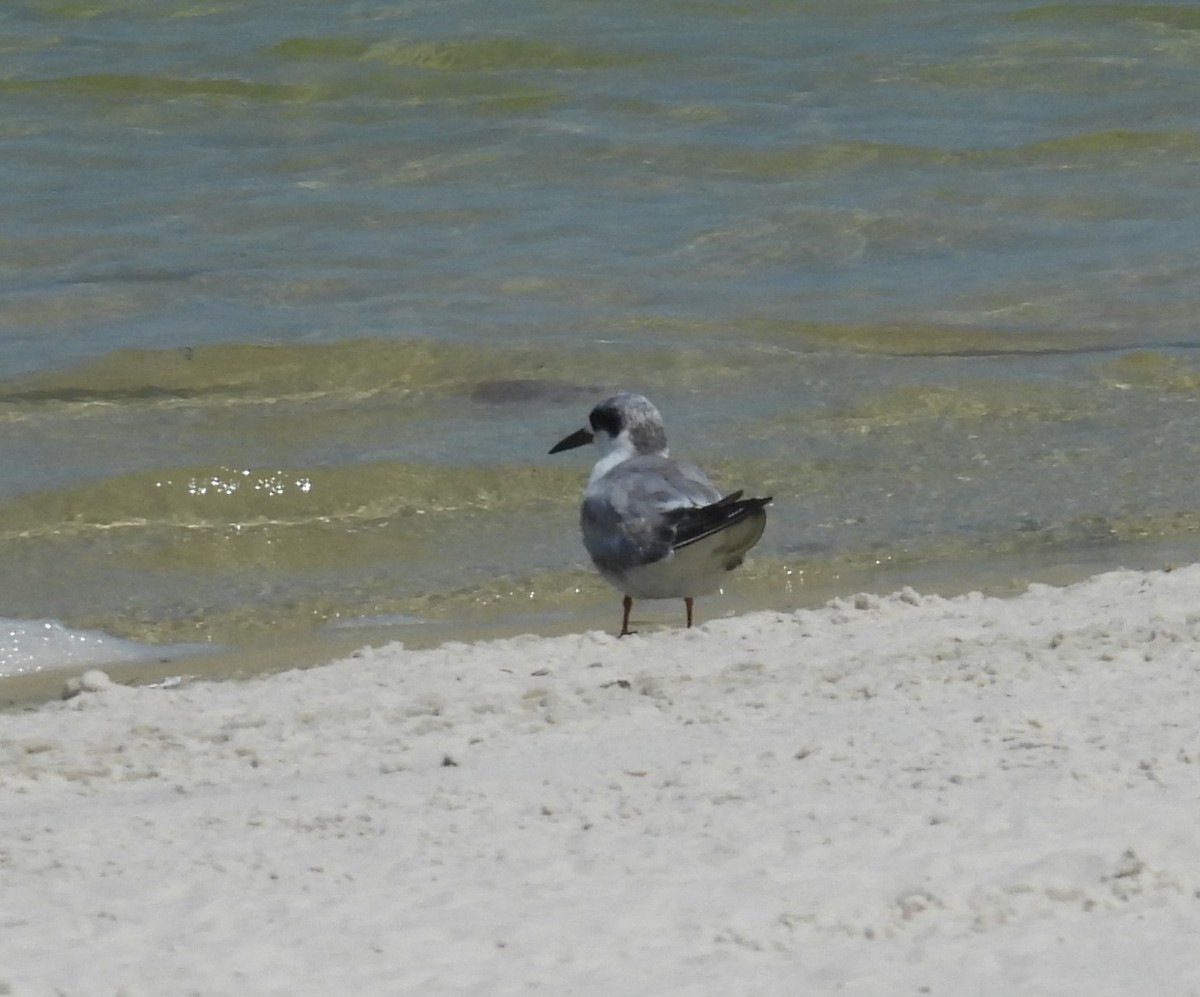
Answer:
(893, 794)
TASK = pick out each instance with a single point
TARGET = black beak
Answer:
(579, 438)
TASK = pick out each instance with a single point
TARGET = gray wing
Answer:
(629, 517)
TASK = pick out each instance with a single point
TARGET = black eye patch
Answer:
(605, 420)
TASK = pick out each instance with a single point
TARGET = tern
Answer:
(656, 528)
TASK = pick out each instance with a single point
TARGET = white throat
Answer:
(614, 450)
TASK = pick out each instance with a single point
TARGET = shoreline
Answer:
(897, 794)
(1003, 577)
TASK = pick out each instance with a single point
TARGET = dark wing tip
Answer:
(696, 523)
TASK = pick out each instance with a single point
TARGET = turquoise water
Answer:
(295, 296)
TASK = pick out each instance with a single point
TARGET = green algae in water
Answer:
(157, 9)
(778, 163)
(1180, 17)
(265, 372)
(135, 93)
(355, 370)
(1012, 402)
(165, 88)
(320, 48)
(1146, 370)
(917, 340)
(221, 497)
(451, 55)
(1122, 147)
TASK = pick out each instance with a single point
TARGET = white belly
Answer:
(694, 570)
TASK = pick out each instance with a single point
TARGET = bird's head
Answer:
(627, 424)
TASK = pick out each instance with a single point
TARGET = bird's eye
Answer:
(605, 420)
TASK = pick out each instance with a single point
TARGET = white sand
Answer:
(899, 795)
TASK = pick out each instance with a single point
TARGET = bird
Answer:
(656, 528)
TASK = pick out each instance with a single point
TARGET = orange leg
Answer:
(627, 604)
(687, 601)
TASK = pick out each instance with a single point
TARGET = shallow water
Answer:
(294, 297)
